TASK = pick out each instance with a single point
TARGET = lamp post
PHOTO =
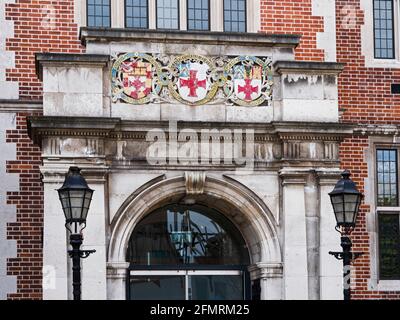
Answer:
(345, 199)
(75, 197)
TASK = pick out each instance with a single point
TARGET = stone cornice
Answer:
(308, 67)
(115, 128)
(73, 59)
(69, 126)
(190, 37)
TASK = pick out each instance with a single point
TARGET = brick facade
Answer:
(294, 17)
(49, 26)
(364, 98)
(27, 230)
(39, 26)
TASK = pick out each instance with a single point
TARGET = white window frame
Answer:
(216, 14)
(368, 39)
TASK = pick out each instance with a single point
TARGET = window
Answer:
(186, 235)
(387, 177)
(187, 253)
(98, 13)
(167, 14)
(389, 246)
(235, 15)
(136, 13)
(198, 15)
(384, 29)
(388, 213)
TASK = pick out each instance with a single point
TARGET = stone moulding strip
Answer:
(72, 59)
(379, 130)
(178, 36)
(308, 67)
(313, 137)
(20, 106)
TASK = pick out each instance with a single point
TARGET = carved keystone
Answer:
(194, 182)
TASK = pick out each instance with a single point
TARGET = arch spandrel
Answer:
(253, 218)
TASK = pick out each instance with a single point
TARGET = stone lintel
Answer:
(308, 67)
(68, 59)
(179, 36)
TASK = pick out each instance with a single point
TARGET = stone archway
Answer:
(245, 209)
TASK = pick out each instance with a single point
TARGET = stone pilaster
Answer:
(271, 279)
(117, 274)
(295, 233)
(330, 271)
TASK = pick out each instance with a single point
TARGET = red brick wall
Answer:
(364, 97)
(40, 26)
(27, 230)
(294, 17)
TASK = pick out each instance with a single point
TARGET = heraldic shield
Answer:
(137, 78)
(247, 82)
(192, 81)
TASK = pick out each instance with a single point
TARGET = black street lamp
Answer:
(346, 201)
(75, 197)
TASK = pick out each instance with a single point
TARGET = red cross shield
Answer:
(137, 79)
(192, 82)
(247, 83)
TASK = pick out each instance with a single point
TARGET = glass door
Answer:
(158, 285)
(186, 285)
(215, 285)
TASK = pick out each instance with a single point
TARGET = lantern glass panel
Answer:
(64, 197)
(86, 203)
(77, 198)
(337, 202)
(350, 205)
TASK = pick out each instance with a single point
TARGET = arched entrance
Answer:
(189, 253)
(232, 200)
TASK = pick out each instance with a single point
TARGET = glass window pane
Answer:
(235, 15)
(198, 14)
(387, 177)
(167, 14)
(98, 13)
(157, 287)
(383, 29)
(389, 246)
(216, 287)
(186, 235)
(136, 14)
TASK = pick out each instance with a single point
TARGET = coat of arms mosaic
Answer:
(140, 78)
